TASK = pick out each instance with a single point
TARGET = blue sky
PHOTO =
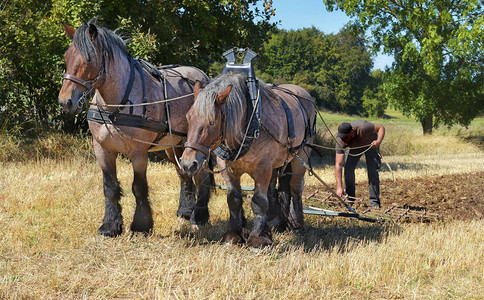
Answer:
(298, 14)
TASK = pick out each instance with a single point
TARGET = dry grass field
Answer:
(52, 204)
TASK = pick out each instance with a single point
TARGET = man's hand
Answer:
(339, 191)
(380, 130)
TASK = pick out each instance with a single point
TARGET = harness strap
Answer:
(80, 81)
(290, 121)
(128, 120)
(198, 147)
(130, 85)
(142, 76)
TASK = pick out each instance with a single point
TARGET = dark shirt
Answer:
(364, 136)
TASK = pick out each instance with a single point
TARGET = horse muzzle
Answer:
(191, 162)
(70, 106)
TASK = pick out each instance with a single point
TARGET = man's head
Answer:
(345, 132)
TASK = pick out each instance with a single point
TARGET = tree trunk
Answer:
(427, 124)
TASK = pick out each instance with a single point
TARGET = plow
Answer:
(324, 203)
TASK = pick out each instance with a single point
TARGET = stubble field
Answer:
(50, 209)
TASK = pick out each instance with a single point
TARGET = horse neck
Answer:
(116, 84)
(116, 80)
(235, 130)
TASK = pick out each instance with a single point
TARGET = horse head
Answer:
(205, 129)
(85, 67)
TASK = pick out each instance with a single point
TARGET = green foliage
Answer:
(374, 98)
(335, 69)
(439, 55)
(189, 32)
(30, 62)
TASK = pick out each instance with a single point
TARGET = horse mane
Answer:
(106, 39)
(235, 106)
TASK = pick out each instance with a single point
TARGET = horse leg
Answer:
(204, 182)
(260, 235)
(284, 197)
(143, 218)
(187, 187)
(295, 217)
(274, 208)
(113, 220)
(234, 234)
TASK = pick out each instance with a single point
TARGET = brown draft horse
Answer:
(98, 60)
(219, 115)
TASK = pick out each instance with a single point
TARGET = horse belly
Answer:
(120, 141)
(166, 142)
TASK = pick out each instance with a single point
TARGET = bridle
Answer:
(207, 151)
(88, 84)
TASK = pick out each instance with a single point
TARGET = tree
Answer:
(374, 100)
(334, 68)
(438, 46)
(190, 32)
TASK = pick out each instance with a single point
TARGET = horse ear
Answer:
(69, 31)
(92, 31)
(222, 96)
(196, 89)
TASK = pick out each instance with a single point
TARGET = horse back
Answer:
(301, 103)
(187, 73)
(179, 81)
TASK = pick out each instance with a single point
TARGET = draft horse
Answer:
(128, 116)
(221, 115)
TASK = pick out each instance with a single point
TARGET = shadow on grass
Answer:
(476, 140)
(337, 235)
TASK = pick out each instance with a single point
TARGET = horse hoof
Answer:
(259, 241)
(185, 213)
(144, 228)
(233, 238)
(200, 216)
(111, 229)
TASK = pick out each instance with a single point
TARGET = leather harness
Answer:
(99, 115)
(254, 106)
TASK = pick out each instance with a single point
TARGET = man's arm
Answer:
(380, 130)
(338, 171)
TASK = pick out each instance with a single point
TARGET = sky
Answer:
(298, 14)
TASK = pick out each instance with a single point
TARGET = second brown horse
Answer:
(220, 115)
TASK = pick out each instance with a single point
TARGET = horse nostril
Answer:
(66, 104)
(69, 103)
(193, 167)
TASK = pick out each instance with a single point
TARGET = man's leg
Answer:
(373, 163)
(349, 173)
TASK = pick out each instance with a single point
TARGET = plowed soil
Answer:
(455, 197)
